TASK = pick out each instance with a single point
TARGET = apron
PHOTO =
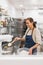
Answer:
(29, 43)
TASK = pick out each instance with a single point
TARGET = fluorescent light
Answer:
(21, 5)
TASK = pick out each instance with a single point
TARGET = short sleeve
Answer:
(38, 36)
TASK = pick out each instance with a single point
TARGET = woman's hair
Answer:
(31, 20)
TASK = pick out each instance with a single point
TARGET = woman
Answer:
(32, 37)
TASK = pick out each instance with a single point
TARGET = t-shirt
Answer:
(35, 35)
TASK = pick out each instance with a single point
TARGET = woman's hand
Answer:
(17, 39)
(30, 51)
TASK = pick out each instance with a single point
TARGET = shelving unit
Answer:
(15, 28)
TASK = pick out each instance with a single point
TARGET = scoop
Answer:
(9, 44)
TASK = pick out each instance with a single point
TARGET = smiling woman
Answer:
(32, 37)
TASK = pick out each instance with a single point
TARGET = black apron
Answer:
(29, 43)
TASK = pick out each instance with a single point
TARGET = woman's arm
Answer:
(35, 46)
(18, 39)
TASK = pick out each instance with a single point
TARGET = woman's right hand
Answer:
(17, 39)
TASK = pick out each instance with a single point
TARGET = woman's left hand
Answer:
(30, 51)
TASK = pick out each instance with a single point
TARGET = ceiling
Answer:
(27, 4)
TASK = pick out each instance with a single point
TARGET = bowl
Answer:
(23, 51)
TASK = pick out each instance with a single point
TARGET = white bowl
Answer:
(23, 51)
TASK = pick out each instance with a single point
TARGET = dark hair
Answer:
(31, 20)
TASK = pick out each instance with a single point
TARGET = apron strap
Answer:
(32, 31)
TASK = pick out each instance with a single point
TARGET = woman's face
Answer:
(29, 24)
